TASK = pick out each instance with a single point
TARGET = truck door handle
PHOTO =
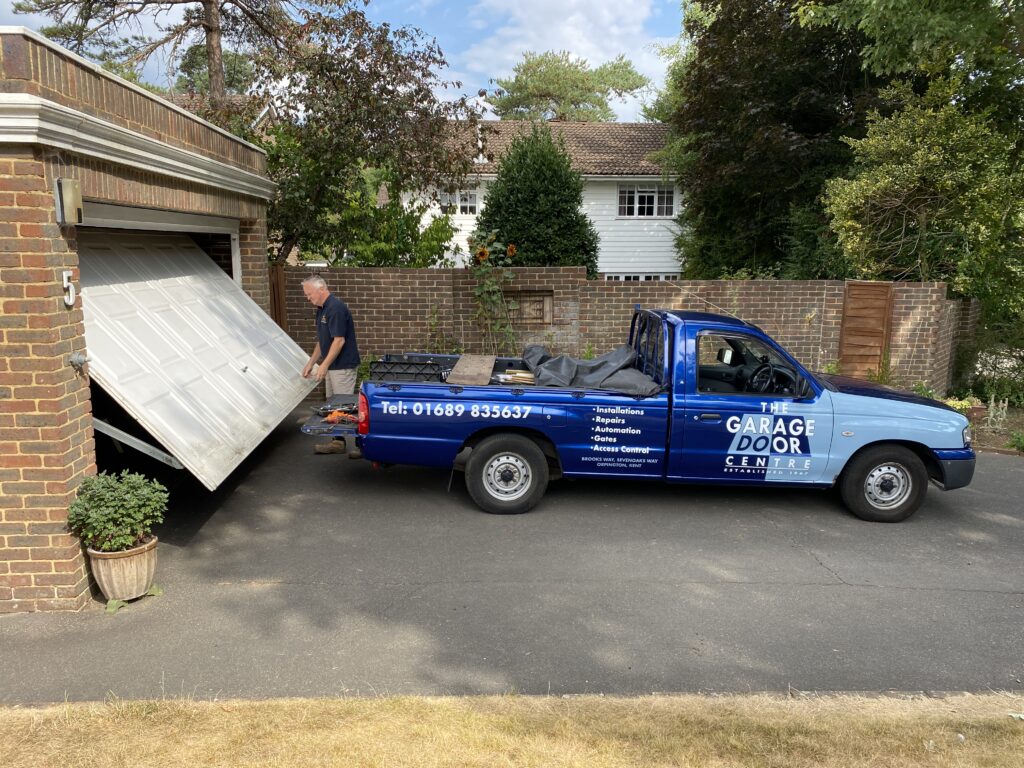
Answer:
(711, 417)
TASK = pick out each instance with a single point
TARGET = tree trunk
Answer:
(214, 54)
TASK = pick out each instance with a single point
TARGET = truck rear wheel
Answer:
(885, 484)
(507, 474)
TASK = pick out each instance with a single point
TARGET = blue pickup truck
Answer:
(723, 404)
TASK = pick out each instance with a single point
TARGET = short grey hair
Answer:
(316, 281)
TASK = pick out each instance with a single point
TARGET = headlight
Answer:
(967, 436)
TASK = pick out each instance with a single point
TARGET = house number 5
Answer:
(69, 289)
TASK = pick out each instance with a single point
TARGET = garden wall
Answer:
(399, 310)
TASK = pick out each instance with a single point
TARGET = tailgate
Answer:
(341, 407)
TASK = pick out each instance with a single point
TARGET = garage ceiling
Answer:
(184, 350)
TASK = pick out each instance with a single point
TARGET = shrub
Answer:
(112, 513)
(1017, 441)
(535, 203)
(922, 389)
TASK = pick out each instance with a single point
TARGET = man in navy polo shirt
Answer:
(335, 351)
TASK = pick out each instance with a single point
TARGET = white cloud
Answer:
(596, 30)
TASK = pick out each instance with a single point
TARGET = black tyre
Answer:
(507, 474)
(884, 484)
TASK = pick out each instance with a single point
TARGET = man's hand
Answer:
(307, 371)
(321, 373)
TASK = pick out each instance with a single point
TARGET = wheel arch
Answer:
(923, 452)
(545, 443)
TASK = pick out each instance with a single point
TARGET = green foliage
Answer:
(194, 73)
(1016, 441)
(438, 340)
(588, 352)
(341, 114)
(108, 31)
(363, 231)
(535, 203)
(924, 390)
(490, 262)
(112, 513)
(934, 195)
(557, 86)
(363, 371)
(757, 106)
(832, 368)
(884, 373)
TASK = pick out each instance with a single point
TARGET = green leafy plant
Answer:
(832, 368)
(1017, 441)
(363, 371)
(490, 267)
(439, 341)
(922, 389)
(588, 352)
(112, 513)
(884, 373)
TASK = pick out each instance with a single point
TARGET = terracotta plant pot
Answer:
(127, 574)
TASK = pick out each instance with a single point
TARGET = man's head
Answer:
(315, 289)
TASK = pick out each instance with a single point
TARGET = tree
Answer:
(978, 44)
(757, 106)
(933, 196)
(368, 231)
(535, 203)
(937, 185)
(557, 86)
(353, 96)
(194, 74)
(95, 28)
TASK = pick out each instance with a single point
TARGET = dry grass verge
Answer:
(594, 732)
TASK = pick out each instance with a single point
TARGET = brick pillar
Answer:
(46, 440)
(252, 243)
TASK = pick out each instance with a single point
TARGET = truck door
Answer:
(741, 419)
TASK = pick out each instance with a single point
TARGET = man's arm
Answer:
(332, 355)
(307, 371)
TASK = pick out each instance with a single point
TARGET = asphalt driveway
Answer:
(318, 576)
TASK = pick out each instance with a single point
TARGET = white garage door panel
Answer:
(181, 348)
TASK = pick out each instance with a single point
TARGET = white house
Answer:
(624, 194)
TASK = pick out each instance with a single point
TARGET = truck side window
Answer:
(741, 364)
(717, 363)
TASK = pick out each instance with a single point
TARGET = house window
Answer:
(646, 200)
(462, 202)
(640, 278)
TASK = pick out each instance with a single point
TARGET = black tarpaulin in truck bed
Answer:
(611, 370)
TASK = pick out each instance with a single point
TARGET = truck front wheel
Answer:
(506, 474)
(884, 484)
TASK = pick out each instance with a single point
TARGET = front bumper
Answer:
(957, 468)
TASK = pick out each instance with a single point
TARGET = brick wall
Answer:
(28, 65)
(46, 440)
(400, 310)
(109, 183)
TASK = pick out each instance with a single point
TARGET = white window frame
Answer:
(659, 199)
(462, 202)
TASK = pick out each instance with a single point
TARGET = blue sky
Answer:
(484, 39)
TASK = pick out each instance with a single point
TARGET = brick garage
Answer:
(426, 309)
(141, 163)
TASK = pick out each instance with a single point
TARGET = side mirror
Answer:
(725, 356)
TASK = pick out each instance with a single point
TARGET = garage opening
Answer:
(174, 341)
